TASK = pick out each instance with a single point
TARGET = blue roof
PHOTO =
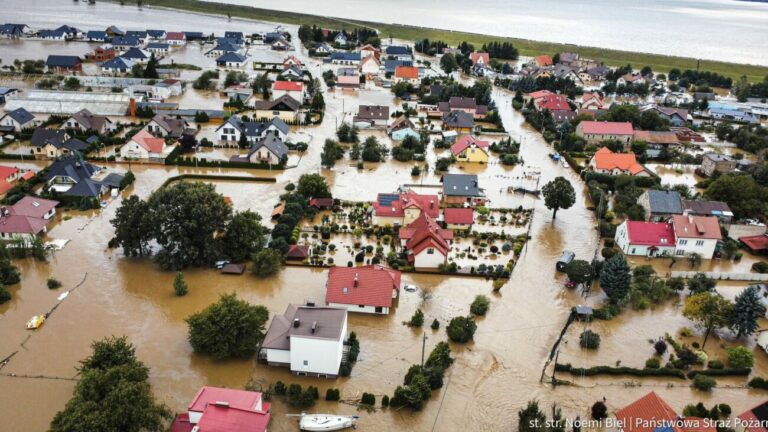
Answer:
(21, 115)
(126, 41)
(156, 33)
(118, 63)
(391, 65)
(226, 46)
(346, 56)
(233, 35)
(96, 34)
(158, 45)
(231, 57)
(135, 53)
(194, 35)
(62, 61)
(137, 33)
(665, 202)
(51, 33)
(388, 199)
(229, 40)
(397, 50)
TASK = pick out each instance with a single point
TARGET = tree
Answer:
(744, 196)
(480, 305)
(4, 294)
(558, 194)
(185, 218)
(700, 283)
(709, 311)
(244, 236)
(589, 340)
(332, 152)
(615, 279)
(448, 63)
(313, 186)
(741, 89)
(262, 84)
(417, 320)
(747, 310)
(150, 71)
(113, 393)
(132, 227)
(599, 411)
(267, 262)
(461, 329)
(180, 285)
(373, 151)
(579, 271)
(531, 418)
(230, 328)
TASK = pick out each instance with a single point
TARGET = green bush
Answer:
(740, 357)
(703, 382)
(599, 411)
(53, 283)
(435, 324)
(461, 329)
(417, 320)
(332, 394)
(480, 305)
(758, 383)
(4, 294)
(345, 369)
(589, 340)
(760, 267)
(652, 363)
(716, 364)
(720, 372)
(279, 388)
(368, 399)
(385, 401)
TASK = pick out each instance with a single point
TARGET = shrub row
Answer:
(720, 372)
(623, 370)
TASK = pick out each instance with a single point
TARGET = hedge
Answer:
(758, 383)
(610, 180)
(623, 370)
(720, 372)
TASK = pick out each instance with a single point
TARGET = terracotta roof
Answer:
(298, 251)
(6, 171)
(278, 211)
(241, 399)
(424, 233)
(605, 159)
(370, 285)
(288, 85)
(553, 102)
(467, 141)
(148, 142)
(755, 418)
(5, 186)
(755, 243)
(459, 216)
(651, 409)
(27, 175)
(321, 203)
(700, 227)
(543, 60)
(650, 233)
(407, 72)
(175, 36)
(539, 94)
(656, 137)
(394, 205)
(606, 128)
(475, 56)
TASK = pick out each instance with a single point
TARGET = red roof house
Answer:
(221, 417)
(543, 60)
(291, 60)
(459, 217)
(288, 86)
(426, 243)
(467, 141)
(646, 238)
(407, 73)
(224, 410)
(148, 142)
(8, 174)
(651, 413)
(756, 244)
(27, 218)
(702, 227)
(607, 162)
(480, 57)
(321, 203)
(756, 419)
(367, 289)
(552, 102)
(606, 128)
(297, 253)
(391, 209)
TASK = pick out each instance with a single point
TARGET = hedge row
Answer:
(759, 383)
(610, 180)
(623, 370)
(720, 372)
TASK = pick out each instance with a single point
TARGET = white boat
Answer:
(63, 295)
(326, 422)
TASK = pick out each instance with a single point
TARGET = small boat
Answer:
(35, 322)
(326, 422)
(62, 296)
(410, 288)
(565, 164)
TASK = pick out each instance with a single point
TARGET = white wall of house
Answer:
(298, 95)
(278, 356)
(703, 247)
(427, 259)
(387, 220)
(133, 150)
(361, 308)
(18, 236)
(459, 227)
(155, 129)
(317, 356)
(227, 132)
(264, 155)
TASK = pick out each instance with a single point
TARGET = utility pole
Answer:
(423, 346)
(554, 369)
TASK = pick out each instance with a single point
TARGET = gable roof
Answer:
(373, 112)
(295, 86)
(605, 159)
(130, 41)
(467, 141)
(757, 418)
(666, 202)
(396, 50)
(118, 63)
(707, 208)
(294, 251)
(400, 123)
(64, 61)
(148, 142)
(284, 101)
(252, 128)
(477, 56)
(461, 185)
(345, 56)
(394, 205)
(369, 285)
(136, 53)
(460, 216)
(458, 119)
(173, 126)
(175, 36)
(231, 57)
(606, 128)
(543, 60)
(43, 136)
(651, 409)
(21, 116)
(274, 144)
(79, 171)
(32, 206)
(650, 233)
(424, 233)
(407, 72)
(96, 34)
(699, 227)
(553, 102)
(240, 399)
(89, 120)
(657, 137)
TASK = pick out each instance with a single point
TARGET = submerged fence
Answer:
(751, 277)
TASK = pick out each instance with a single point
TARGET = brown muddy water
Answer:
(492, 377)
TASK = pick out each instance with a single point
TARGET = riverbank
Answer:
(660, 63)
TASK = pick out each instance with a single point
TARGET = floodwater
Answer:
(493, 376)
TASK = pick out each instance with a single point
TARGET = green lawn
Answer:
(659, 63)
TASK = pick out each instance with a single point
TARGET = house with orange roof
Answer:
(459, 218)
(291, 61)
(425, 243)
(470, 149)
(481, 58)
(607, 162)
(651, 413)
(696, 234)
(592, 101)
(542, 60)
(367, 289)
(402, 209)
(595, 132)
(409, 74)
(145, 147)
(294, 89)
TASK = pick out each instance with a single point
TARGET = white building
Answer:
(645, 238)
(368, 289)
(696, 234)
(19, 119)
(145, 147)
(308, 339)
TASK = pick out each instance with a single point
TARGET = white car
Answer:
(410, 288)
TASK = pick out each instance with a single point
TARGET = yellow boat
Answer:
(35, 322)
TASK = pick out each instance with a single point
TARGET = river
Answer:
(493, 376)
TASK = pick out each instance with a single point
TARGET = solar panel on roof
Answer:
(387, 199)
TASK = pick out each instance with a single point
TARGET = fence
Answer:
(751, 277)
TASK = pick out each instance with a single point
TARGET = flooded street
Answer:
(492, 377)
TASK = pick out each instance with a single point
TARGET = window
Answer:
(633, 250)
(682, 242)
(306, 362)
(361, 306)
(699, 242)
(430, 251)
(680, 252)
(379, 309)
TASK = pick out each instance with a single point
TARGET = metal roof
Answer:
(60, 102)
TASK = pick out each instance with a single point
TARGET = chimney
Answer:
(296, 322)
(356, 280)
(431, 204)
(221, 404)
(133, 107)
(314, 326)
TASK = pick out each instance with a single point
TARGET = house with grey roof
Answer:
(231, 60)
(53, 143)
(230, 132)
(307, 339)
(461, 190)
(660, 205)
(371, 115)
(459, 121)
(718, 209)
(117, 65)
(163, 126)
(18, 120)
(96, 36)
(721, 163)
(270, 150)
(72, 176)
(84, 120)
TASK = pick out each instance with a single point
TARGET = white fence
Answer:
(751, 277)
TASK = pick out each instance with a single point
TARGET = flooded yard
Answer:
(492, 377)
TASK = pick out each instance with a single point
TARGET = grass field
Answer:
(659, 63)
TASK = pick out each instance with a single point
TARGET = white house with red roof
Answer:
(403, 208)
(176, 38)
(368, 289)
(696, 234)
(605, 161)
(145, 147)
(26, 219)
(754, 420)
(470, 149)
(595, 132)
(370, 66)
(552, 102)
(645, 238)
(482, 58)
(592, 101)
(459, 218)
(216, 409)
(426, 244)
(292, 61)
(651, 413)
(294, 89)
(8, 175)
